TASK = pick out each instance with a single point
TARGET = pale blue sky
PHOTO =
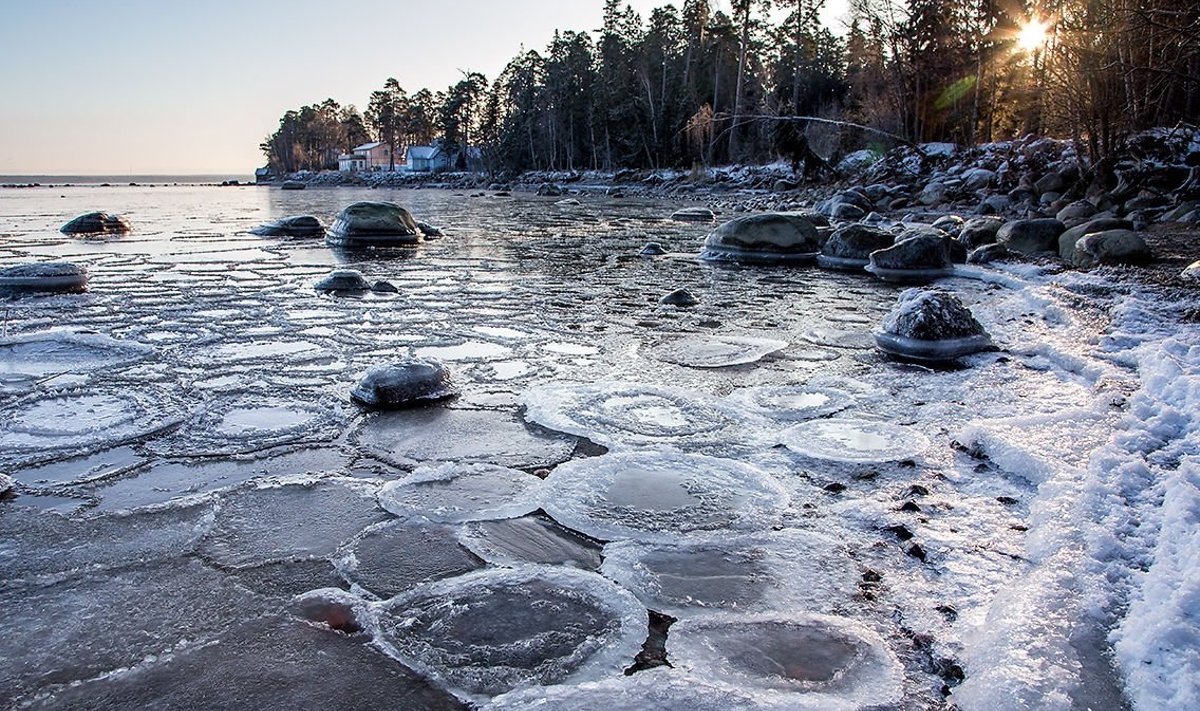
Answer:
(193, 86)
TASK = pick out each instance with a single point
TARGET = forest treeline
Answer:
(695, 85)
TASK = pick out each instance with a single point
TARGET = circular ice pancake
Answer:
(83, 420)
(656, 690)
(793, 402)
(816, 657)
(37, 355)
(661, 496)
(454, 493)
(715, 351)
(252, 423)
(846, 440)
(492, 631)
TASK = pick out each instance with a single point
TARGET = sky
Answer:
(188, 87)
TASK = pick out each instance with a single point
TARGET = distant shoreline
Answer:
(59, 180)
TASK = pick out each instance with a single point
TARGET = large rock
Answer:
(294, 226)
(43, 277)
(769, 238)
(1110, 247)
(931, 325)
(1076, 213)
(934, 193)
(978, 178)
(1050, 183)
(1067, 240)
(850, 247)
(693, 214)
(916, 258)
(343, 280)
(404, 383)
(373, 224)
(979, 231)
(1031, 236)
(96, 223)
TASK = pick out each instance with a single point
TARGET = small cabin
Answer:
(426, 158)
(369, 156)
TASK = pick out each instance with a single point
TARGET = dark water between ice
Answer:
(177, 489)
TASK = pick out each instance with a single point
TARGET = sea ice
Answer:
(748, 573)
(661, 496)
(453, 493)
(404, 383)
(656, 690)
(536, 538)
(793, 402)
(80, 421)
(716, 351)
(492, 631)
(828, 660)
(252, 423)
(638, 415)
(38, 355)
(846, 440)
(408, 437)
(395, 556)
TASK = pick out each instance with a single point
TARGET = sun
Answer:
(1033, 35)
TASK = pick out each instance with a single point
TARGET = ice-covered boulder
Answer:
(373, 224)
(92, 223)
(915, 258)
(1067, 240)
(693, 214)
(43, 277)
(850, 247)
(769, 238)
(404, 383)
(294, 226)
(653, 249)
(934, 193)
(1191, 273)
(429, 230)
(1031, 236)
(343, 280)
(950, 224)
(1110, 247)
(931, 325)
(6, 484)
(679, 297)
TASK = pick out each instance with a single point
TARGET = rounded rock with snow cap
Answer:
(917, 257)
(404, 383)
(931, 325)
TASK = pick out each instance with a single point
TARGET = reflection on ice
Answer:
(398, 555)
(493, 631)
(661, 496)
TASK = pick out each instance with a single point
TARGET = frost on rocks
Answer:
(832, 661)
(43, 277)
(748, 573)
(932, 325)
(395, 556)
(661, 496)
(716, 351)
(409, 437)
(536, 538)
(289, 522)
(404, 383)
(636, 415)
(858, 441)
(493, 631)
(454, 493)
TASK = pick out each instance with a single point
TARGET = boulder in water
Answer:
(850, 247)
(96, 223)
(931, 325)
(293, 185)
(916, 258)
(43, 277)
(694, 214)
(653, 249)
(429, 230)
(294, 226)
(1031, 236)
(770, 238)
(404, 383)
(373, 224)
(679, 297)
(1067, 240)
(343, 280)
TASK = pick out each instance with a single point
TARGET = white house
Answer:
(368, 156)
(426, 158)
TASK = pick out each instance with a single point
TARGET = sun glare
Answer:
(1033, 35)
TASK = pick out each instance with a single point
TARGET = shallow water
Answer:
(224, 465)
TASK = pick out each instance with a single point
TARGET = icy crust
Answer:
(931, 315)
(38, 355)
(861, 441)
(824, 660)
(404, 383)
(616, 414)
(6, 484)
(250, 424)
(536, 538)
(455, 493)
(716, 351)
(394, 556)
(749, 573)
(661, 496)
(50, 277)
(81, 421)
(654, 690)
(493, 631)
(793, 402)
(932, 351)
